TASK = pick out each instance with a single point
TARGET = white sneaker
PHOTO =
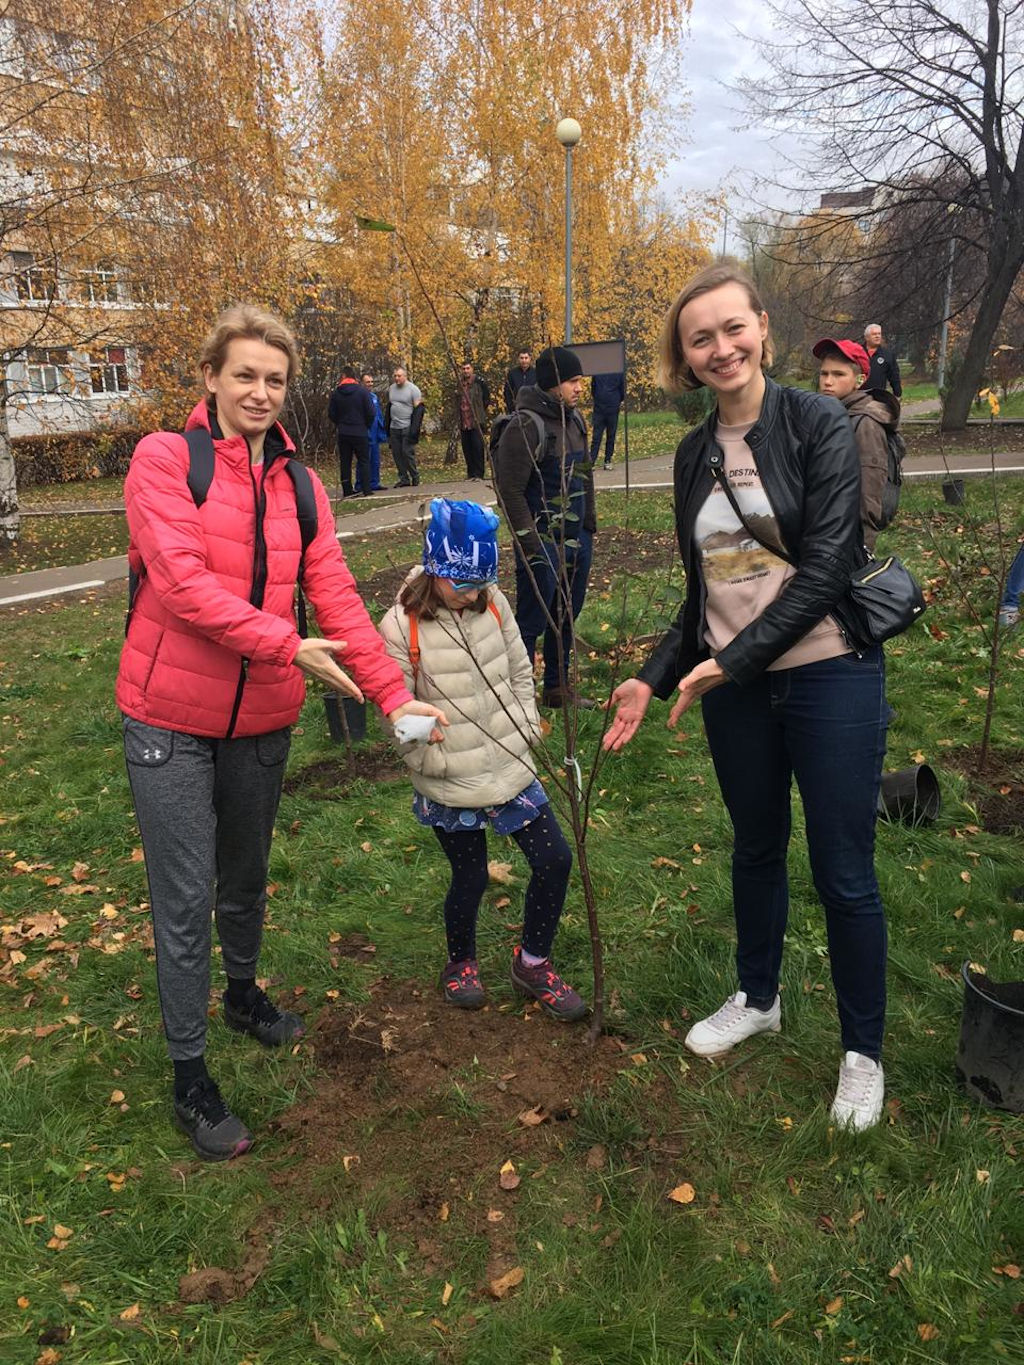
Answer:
(1008, 617)
(858, 1101)
(715, 1035)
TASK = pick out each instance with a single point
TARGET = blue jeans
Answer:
(534, 605)
(1014, 581)
(606, 424)
(825, 723)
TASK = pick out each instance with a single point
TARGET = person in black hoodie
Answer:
(351, 411)
(546, 490)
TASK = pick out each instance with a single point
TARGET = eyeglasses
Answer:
(468, 587)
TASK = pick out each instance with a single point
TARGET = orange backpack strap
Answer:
(414, 648)
(414, 640)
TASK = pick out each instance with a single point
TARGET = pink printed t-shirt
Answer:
(741, 577)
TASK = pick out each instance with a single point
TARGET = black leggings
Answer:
(550, 858)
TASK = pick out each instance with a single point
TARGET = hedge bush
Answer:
(62, 457)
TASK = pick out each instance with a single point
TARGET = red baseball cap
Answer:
(853, 350)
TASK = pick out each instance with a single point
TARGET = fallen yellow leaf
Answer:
(445, 1211)
(116, 1097)
(446, 1294)
(500, 872)
(926, 1331)
(683, 1194)
(507, 1177)
(834, 1306)
(59, 1230)
(130, 1313)
(982, 1177)
(504, 1283)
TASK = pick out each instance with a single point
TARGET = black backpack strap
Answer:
(306, 512)
(201, 460)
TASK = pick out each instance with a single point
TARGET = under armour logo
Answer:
(152, 755)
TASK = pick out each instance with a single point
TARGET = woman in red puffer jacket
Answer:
(211, 679)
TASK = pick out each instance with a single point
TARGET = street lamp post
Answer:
(568, 133)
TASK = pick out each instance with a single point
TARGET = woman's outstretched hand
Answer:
(422, 708)
(316, 659)
(698, 681)
(631, 699)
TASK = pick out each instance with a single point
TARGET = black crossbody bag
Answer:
(883, 593)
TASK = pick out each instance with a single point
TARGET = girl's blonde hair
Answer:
(674, 374)
(246, 322)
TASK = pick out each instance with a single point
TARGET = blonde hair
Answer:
(246, 322)
(674, 374)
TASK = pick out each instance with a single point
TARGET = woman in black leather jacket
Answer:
(787, 687)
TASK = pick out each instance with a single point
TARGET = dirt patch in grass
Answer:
(998, 791)
(928, 440)
(331, 777)
(418, 1107)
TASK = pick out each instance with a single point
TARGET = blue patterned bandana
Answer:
(461, 542)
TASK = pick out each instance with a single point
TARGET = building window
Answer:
(48, 371)
(98, 285)
(33, 282)
(108, 370)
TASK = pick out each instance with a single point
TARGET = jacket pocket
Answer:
(146, 746)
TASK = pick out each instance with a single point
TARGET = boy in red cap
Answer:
(874, 413)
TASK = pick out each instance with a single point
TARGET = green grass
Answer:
(786, 1252)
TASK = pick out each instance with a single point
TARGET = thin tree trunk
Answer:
(10, 516)
(967, 379)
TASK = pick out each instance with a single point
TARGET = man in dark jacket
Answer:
(609, 393)
(546, 490)
(471, 401)
(520, 374)
(351, 411)
(884, 369)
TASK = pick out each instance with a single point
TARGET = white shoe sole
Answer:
(716, 1052)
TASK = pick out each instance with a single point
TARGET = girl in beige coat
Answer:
(454, 636)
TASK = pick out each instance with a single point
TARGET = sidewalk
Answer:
(406, 508)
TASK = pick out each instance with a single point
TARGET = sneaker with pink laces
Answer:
(460, 985)
(543, 984)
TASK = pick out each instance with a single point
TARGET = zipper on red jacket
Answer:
(259, 582)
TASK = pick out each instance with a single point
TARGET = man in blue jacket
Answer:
(376, 437)
(609, 394)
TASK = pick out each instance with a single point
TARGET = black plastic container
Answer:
(990, 1056)
(350, 713)
(953, 492)
(911, 795)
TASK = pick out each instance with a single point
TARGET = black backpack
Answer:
(201, 459)
(894, 478)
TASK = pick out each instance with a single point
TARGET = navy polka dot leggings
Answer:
(545, 849)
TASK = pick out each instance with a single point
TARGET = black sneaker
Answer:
(261, 1017)
(215, 1132)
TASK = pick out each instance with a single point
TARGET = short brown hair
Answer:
(420, 597)
(674, 374)
(246, 322)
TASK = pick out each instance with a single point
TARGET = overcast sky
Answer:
(722, 151)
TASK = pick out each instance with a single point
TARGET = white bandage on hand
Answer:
(414, 729)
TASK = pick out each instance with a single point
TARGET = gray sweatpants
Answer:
(206, 810)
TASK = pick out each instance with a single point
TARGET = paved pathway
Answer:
(408, 508)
